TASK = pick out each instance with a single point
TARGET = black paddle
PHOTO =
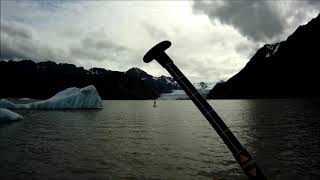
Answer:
(248, 164)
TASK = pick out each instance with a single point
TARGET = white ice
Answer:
(71, 98)
(7, 115)
(276, 49)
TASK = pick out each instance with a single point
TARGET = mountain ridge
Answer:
(287, 69)
(41, 80)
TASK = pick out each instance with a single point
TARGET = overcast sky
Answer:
(211, 40)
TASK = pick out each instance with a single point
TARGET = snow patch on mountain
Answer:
(202, 87)
(272, 49)
(162, 83)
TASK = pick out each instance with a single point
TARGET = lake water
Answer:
(133, 140)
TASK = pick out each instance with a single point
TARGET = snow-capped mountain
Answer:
(167, 86)
(42, 80)
(202, 87)
(138, 73)
(99, 71)
(163, 84)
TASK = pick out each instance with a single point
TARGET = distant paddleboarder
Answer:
(155, 104)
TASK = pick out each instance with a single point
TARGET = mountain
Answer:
(289, 69)
(203, 85)
(163, 84)
(42, 80)
(179, 94)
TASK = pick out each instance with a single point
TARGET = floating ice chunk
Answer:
(71, 98)
(4, 103)
(7, 115)
(25, 99)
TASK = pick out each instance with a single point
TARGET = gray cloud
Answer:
(18, 42)
(116, 34)
(208, 70)
(247, 49)
(259, 20)
(101, 43)
(155, 32)
(15, 29)
(96, 46)
(254, 19)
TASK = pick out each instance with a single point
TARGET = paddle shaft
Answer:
(239, 152)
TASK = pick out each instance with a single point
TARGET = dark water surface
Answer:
(133, 140)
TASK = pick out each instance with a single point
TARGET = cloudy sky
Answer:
(211, 40)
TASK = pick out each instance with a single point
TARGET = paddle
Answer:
(246, 162)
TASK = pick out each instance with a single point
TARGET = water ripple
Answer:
(131, 140)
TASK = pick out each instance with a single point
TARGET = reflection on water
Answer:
(131, 139)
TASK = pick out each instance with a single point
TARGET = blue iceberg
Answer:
(71, 98)
(8, 116)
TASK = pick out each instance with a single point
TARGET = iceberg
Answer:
(71, 98)
(7, 115)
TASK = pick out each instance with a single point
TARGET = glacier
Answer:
(7, 115)
(70, 98)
